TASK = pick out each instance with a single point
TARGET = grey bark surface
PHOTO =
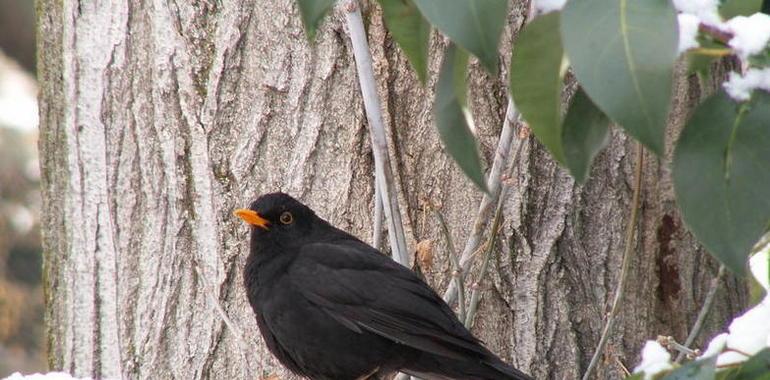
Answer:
(159, 118)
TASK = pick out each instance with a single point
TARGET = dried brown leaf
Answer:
(425, 253)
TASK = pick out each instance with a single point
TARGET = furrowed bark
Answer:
(159, 118)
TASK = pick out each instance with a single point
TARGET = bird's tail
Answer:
(434, 367)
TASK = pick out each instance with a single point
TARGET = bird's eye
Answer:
(286, 218)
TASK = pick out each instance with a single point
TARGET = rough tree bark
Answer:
(158, 118)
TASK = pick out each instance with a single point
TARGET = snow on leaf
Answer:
(546, 6)
(739, 87)
(750, 34)
(688, 31)
(655, 359)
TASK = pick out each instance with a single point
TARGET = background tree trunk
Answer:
(159, 118)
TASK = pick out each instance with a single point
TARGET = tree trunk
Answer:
(159, 118)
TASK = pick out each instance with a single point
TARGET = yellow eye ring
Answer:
(286, 218)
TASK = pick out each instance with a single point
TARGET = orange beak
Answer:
(252, 217)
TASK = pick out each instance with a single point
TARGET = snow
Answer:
(716, 345)
(545, 6)
(705, 10)
(750, 34)
(739, 87)
(44, 376)
(688, 30)
(18, 102)
(760, 267)
(655, 359)
(750, 332)
(22, 219)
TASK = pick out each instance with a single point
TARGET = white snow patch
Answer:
(18, 96)
(655, 359)
(760, 267)
(706, 10)
(688, 31)
(545, 6)
(716, 346)
(739, 87)
(21, 218)
(750, 34)
(748, 334)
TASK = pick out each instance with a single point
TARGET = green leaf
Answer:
(757, 292)
(636, 376)
(312, 12)
(732, 8)
(623, 52)
(585, 134)
(410, 30)
(756, 368)
(699, 64)
(536, 80)
(452, 117)
(761, 59)
(474, 25)
(726, 374)
(704, 369)
(721, 175)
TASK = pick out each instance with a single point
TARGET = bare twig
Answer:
(502, 155)
(237, 334)
(383, 179)
(377, 225)
(476, 293)
(703, 313)
(715, 32)
(672, 345)
(630, 232)
(383, 174)
(490, 243)
(622, 367)
(456, 269)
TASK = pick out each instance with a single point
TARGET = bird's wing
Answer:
(364, 290)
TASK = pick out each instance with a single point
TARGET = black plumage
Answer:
(330, 306)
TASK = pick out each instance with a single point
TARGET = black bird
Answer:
(330, 306)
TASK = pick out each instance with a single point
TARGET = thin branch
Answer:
(502, 155)
(476, 294)
(672, 345)
(383, 174)
(712, 52)
(714, 31)
(456, 269)
(383, 179)
(703, 313)
(490, 244)
(622, 367)
(630, 232)
(377, 225)
(239, 341)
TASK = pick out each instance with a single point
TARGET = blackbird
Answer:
(330, 306)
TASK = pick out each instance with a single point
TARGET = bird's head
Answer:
(277, 215)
